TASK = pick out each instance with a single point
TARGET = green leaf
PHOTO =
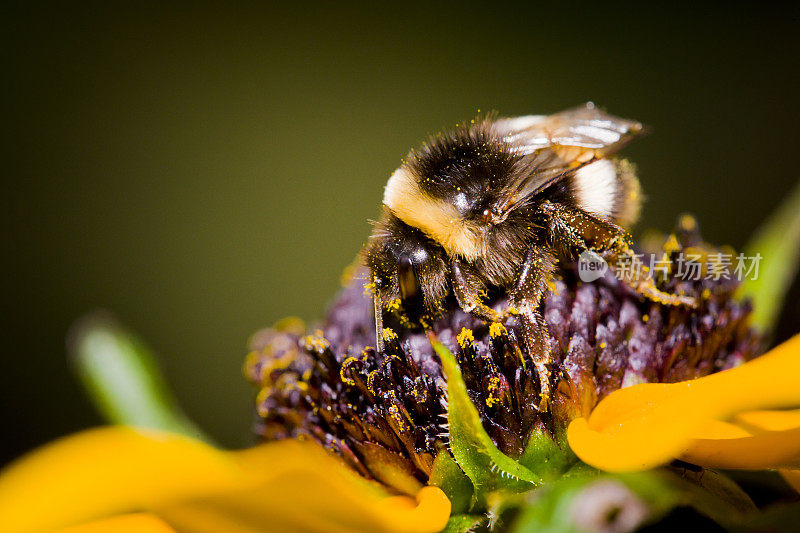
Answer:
(122, 378)
(463, 523)
(778, 243)
(486, 466)
(447, 475)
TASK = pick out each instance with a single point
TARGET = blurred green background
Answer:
(204, 171)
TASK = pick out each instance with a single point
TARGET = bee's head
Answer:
(405, 264)
(449, 188)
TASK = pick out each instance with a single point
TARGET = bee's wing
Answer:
(584, 127)
(554, 145)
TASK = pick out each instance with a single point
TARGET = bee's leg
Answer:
(532, 284)
(526, 296)
(467, 289)
(630, 270)
(583, 231)
(636, 275)
(376, 302)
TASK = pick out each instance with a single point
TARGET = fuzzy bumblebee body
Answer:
(494, 205)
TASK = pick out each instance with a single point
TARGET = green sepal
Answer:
(778, 243)
(463, 523)
(449, 477)
(547, 456)
(487, 467)
(122, 378)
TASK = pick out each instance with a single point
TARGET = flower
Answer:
(371, 408)
(403, 417)
(442, 429)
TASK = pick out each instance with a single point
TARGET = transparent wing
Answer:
(554, 145)
(584, 126)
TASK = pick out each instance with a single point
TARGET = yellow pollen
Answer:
(371, 381)
(275, 363)
(388, 334)
(492, 399)
(465, 337)
(645, 318)
(393, 305)
(260, 399)
(299, 385)
(369, 288)
(394, 412)
(316, 342)
(687, 223)
(671, 245)
(250, 362)
(345, 378)
(496, 329)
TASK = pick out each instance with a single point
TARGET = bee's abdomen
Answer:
(608, 189)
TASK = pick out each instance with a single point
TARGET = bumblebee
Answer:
(494, 205)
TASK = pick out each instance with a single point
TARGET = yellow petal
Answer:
(646, 425)
(107, 471)
(738, 448)
(769, 420)
(194, 487)
(312, 508)
(129, 523)
(753, 440)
